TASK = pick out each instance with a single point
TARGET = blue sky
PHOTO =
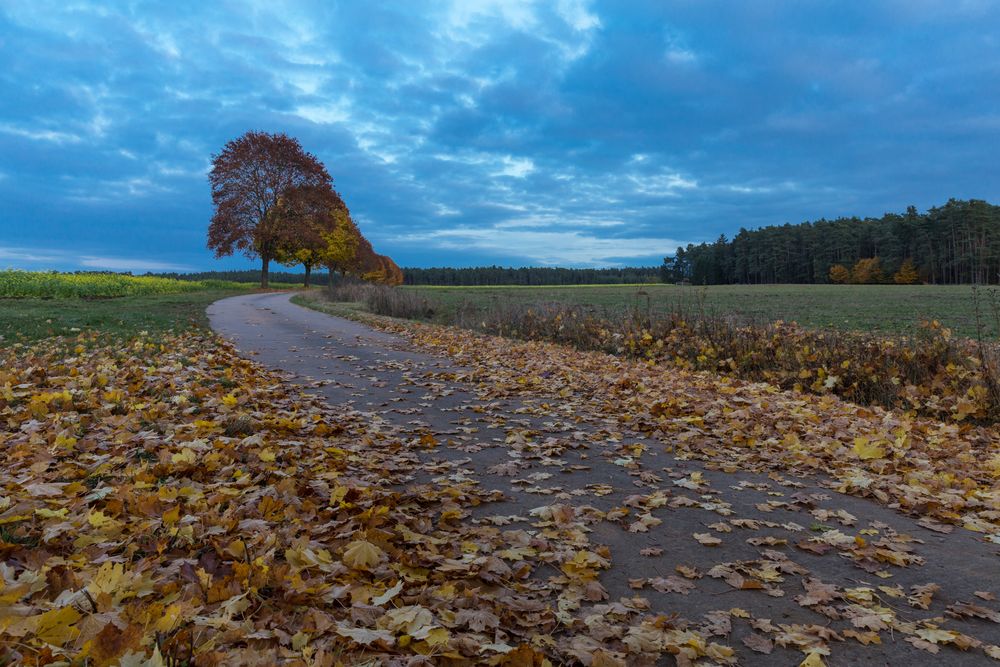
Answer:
(565, 132)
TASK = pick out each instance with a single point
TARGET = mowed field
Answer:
(889, 309)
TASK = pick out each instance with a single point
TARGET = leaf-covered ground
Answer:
(498, 503)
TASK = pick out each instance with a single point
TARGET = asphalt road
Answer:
(536, 456)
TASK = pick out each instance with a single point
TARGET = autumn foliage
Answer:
(167, 502)
(931, 373)
(275, 201)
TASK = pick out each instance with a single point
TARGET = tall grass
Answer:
(931, 373)
(38, 284)
(383, 300)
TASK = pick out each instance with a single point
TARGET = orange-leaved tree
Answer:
(866, 271)
(907, 274)
(840, 274)
(253, 178)
(311, 212)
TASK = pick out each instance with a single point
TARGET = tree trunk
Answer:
(309, 269)
(329, 276)
(263, 271)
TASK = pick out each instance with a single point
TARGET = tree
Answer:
(907, 274)
(311, 212)
(839, 274)
(866, 271)
(341, 240)
(256, 181)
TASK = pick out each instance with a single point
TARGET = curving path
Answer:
(536, 456)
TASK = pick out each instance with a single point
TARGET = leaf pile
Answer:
(943, 471)
(169, 502)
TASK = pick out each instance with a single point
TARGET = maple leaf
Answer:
(54, 627)
(865, 450)
(366, 636)
(758, 643)
(388, 595)
(813, 660)
(361, 555)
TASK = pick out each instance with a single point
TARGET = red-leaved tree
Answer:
(253, 180)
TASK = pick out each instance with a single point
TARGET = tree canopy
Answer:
(275, 201)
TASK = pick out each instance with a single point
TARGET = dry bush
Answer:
(930, 373)
(384, 300)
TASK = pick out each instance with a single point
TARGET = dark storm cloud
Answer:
(482, 131)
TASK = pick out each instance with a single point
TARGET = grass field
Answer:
(37, 304)
(28, 320)
(872, 308)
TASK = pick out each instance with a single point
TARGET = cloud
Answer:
(51, 258)
(26, 255)
(129, 264)
(489, 127)
(551, 248)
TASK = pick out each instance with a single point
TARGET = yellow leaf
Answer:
(99, 519)
(56, 626)
(109, 579)
(437, 637)
(865, 450)
(168, 620)
(813, 660)
(266, 455)
(361, 555)
(186, 456)
(172, 516)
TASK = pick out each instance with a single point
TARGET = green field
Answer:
(26, 320)
(888, 309)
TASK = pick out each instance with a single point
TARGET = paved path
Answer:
(537, 455)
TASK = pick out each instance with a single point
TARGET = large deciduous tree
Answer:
(311, 212)
(259, 183)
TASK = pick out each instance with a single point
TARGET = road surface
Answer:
(537, 455)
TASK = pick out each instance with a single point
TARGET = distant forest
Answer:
(956, 243)
(252, 276)
(496, 275)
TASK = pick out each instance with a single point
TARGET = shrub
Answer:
(384, 300)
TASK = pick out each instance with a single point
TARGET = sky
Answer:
(477, 132)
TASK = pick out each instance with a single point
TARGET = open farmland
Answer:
(870, 308)
(51, 284)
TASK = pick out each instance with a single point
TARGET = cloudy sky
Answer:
(566, 132)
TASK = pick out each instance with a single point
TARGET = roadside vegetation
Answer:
(930, 370)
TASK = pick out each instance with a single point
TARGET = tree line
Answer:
(957, 243)
(248, 276)
(528, 275)
(276, 202)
